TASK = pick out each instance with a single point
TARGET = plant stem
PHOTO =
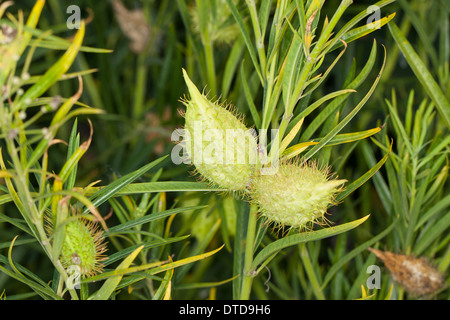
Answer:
(210, 65)
(248, 259)
(139, 92)
(310, 272)
(259, 38)
(308, 66)
(203, 11)
(32, 213)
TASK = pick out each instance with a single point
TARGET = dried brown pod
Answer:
(134, 26)
(416, 275)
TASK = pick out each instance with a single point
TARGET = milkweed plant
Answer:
(284, 184)
(258, 130)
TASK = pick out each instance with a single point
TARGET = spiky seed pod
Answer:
(220, 146)
(83, 246)
(297, 195)
(415, 275)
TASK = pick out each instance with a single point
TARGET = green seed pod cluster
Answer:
(298, 194)
(295, 194)
(220, 146)
(83, 247)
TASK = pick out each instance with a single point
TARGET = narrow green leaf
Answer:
(359, 17)
(74, 143)
(29, 278)
(292, 66)
(62, 44)
(110, 284)
(349, 117)
(350, 137)
(422, 73)
(361, 180)
(104, 193)
(147, 245)
(165, 287)
(152, 269)
(148, 218)
(423, 34)
(338, 101)
(251, 49)
(309, 269)
(264, 13)
(317, 104)
(32, 22)
(303, 237)
(157, 186)
(431, 234)
(231, 65)
(360, 32)
(240, 238)
(290, 136)
(55, 72)
(342, 261)
(297, 149)
(15, 222)
(249, 98)
(438, 207)
(183, 262)
(200, 285)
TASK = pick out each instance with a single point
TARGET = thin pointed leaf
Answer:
(55, 72)
(361, 180)
(251, 49)
(110, 284)
(438, 207)
(290, 136)
(148, 218)
(432, 234)
(103, 194)
(422, 73)
(350, 137)
(349, 117)
(342, 261)
(303, 237)
(360, 32)
(184, 261)
(249, 98)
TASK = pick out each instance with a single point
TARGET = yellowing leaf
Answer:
(110, 285)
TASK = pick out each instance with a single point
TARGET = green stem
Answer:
(248, 259)
(310, 272)
(139, 92)
(259, 38)
(309, 63)
(208, 45)
(32, 213)
(210, 65)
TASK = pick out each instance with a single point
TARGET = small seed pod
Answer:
(415, 275)
(220, 146)
(297, 195)
(83, 246)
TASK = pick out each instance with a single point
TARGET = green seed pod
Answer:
(297, 195)
(218, 143)
(83, 247)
